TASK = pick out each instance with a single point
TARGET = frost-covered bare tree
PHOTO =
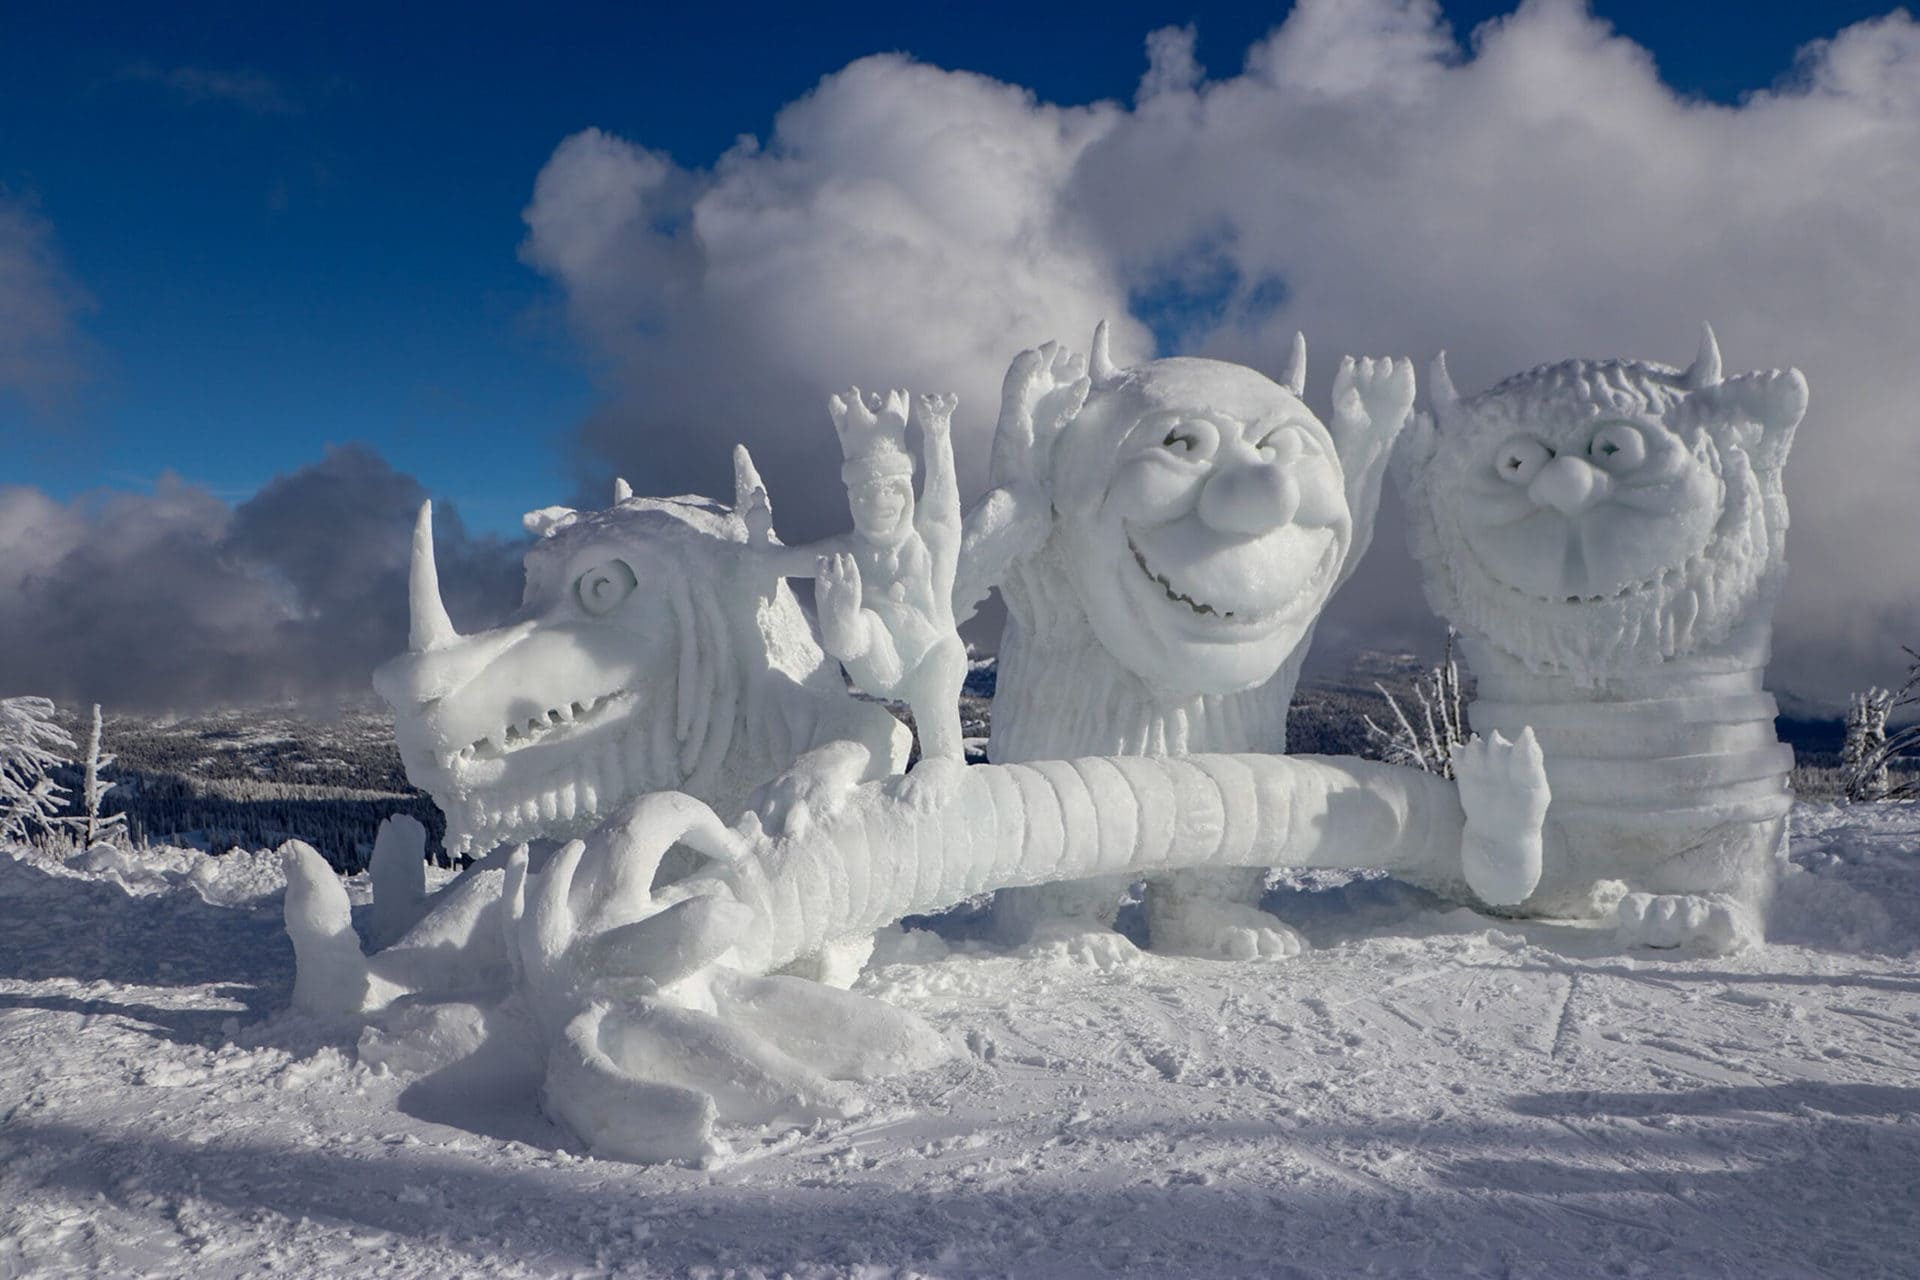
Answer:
(94, 826)
(1425, 739)
(30, 749)
(1870, 747)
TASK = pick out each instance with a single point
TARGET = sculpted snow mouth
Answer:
(554, 724)
(1180, 597)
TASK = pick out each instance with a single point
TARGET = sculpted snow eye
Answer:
(1618, 446)
(604, 587)
(1519, 460)
(1191, 438)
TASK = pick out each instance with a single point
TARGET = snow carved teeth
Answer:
(567, 716)
(1178, 597)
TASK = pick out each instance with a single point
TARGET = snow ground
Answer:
(1427, 1092)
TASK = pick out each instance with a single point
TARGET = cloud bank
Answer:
(1536, 193)
(175, 599)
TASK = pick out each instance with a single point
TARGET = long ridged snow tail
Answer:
(1023, 824)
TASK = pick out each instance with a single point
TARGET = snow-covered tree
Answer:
(1870, 747)
(94, 826)
(30, 747)
(1426, 739)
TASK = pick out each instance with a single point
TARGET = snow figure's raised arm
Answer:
(1372, 400)
(937, 514)
(1044, 388)
(642, 989)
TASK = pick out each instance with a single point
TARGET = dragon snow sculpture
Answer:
(1196, 517)
(1607, 536)
(653, 652)
(655, 1001)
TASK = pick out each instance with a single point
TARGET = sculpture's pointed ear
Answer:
(1295, 377)
(1776, 399)
(746, 478)
(1446, 401)
(1704, 372)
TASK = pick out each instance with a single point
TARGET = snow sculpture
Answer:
(654, 1002)
(1198, 518)
(885, 591)
(652, 653)
(1608, 536)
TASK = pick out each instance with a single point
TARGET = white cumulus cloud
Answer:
(1536, 193)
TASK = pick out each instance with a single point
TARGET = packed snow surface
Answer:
(1425, 1091)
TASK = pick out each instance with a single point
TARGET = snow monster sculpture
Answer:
(653, 652)
(1607, 536)
(1200, 517)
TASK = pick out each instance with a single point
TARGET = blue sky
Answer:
(313, 264)
(298, 226)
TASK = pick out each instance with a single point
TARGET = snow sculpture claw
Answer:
(1504, 793)
(1710, 924)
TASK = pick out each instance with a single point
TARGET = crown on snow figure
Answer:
(873, 433)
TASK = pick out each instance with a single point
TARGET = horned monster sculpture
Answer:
(1608, 537)
(1197, 516)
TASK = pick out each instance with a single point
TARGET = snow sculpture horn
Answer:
(1446, 401)
(621, 491)
(1101, 370)
(1295, 378)
(746, 479)
(430, 627)
(1705, 370)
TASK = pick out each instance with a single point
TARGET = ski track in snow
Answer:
(1426, 1092)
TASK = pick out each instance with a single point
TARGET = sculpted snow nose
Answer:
(1249, 499)
(1569, 485)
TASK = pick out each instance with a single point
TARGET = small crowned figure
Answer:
(885, 591)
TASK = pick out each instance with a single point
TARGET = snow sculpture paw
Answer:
(1044, 388)
(1223, 931)
(659, 1026)
(1083, 942)
(936, 413)
(837, 598)
(1377, 391)
(1504, 792)
(1710, 924)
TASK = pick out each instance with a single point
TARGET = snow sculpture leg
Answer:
(643, 991)
(1608, 536)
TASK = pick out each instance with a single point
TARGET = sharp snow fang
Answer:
(518, 735)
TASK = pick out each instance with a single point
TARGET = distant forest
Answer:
(253, 779)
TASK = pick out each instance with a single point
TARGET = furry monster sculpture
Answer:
(1608, 538)
(1200, 517)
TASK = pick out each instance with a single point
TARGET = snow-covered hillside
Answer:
(1426, 1092)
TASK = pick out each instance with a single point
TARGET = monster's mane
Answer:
(1742, 427)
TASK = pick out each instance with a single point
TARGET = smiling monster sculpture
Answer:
(1608, 538)
(1201, 516)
